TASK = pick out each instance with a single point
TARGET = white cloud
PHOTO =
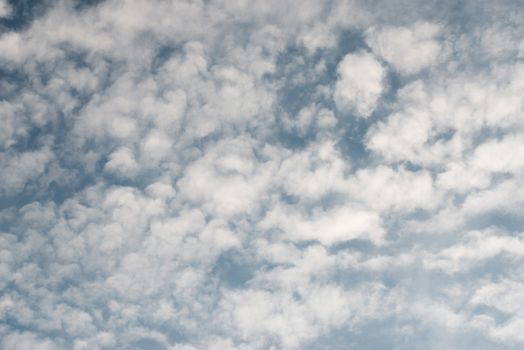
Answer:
(318, 37)
(26, 341)
(408, 49)
(19, 169)
(155, 146)
(5, 8)
(294, 322)
(360, 83)
(506, 196)
(227, 180)
(122, 162)
(310, 118)
(497, 156)
(328, 227)
(385, 189)
(313, 173)
(505, 296)
(180, 175)
(476, 248)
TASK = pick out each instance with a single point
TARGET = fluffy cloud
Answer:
(232, 175)
(408, 49)
(478, 247)
(329, 227)
(21, 168)
(27, 341)
(360, 83)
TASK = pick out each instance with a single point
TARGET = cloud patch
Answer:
(360, 83)
(224, 175)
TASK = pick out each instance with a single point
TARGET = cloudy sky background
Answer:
(246, 175)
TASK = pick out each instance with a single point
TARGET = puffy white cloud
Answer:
(408, 49)
(182, 175)
(122, 161)
(26, 341)
(505, 296)
(313, 173)
(497, 156)
(506, 196)
(228, 179)
(296, 321)
(19, 169)
(361, 82)
(335, 225)
(477, 247)
(155, 146)
(386, 190)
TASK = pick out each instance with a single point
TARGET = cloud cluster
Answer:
(191, 175)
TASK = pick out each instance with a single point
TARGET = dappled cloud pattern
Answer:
(183, 175)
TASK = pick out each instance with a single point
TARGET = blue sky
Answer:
(182, 175)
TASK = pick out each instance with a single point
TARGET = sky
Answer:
(244, 175)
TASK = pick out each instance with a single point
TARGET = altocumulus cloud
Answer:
(182, 175)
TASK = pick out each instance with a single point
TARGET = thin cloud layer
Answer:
(261, 175)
